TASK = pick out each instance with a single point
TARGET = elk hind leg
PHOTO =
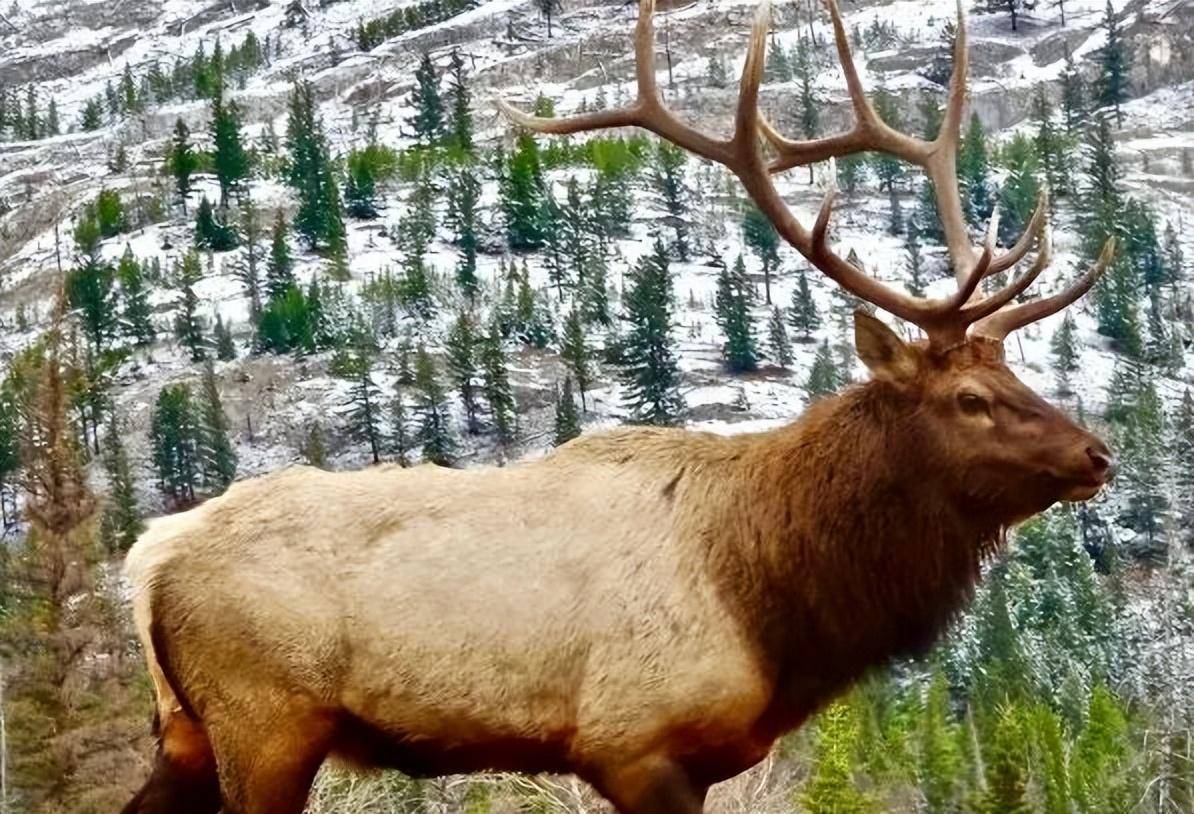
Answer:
(653, 786)
(184, 779)
(268, 769)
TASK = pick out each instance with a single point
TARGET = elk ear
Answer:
(883, 352)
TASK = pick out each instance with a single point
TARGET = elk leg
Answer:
(268, 769)
(655, 785)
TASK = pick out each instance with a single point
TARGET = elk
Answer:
(648, 608)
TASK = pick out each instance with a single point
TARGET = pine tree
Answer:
(136, 313)
(650, 372)
(758, 232)
(567, 419)
(320, 214)
(217, 457)
(225, 345)
(460, 113)
(1051, 147)
(461, 348)
(575, 353)
(522, 191)
(1114, 64)
(1182, 446)
(188, 326)
(1006, 766)
(464, 192)
(803, 316)
(1073, 96)
(434, 432)
(1020, 191)
(667, 176)
(498, 393)
(90, 287)
(92, 117)
(831, 787)
(210, 230)
(181, 161)
(779, 347)
(823, 377)
(279, 270)
(122, 510)
(938, 758)
(973, 172)
(400, 441)
(1099, 758)
(427, 122)
(248, 267)
(916, 281)
(360, 187)
(354, 363)
(174, 437)
(851, 172)
(733, 316)
(230, 161)
(1065, 354)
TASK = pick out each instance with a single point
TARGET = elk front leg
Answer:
(653, 785)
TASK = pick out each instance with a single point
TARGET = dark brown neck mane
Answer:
(848, 543)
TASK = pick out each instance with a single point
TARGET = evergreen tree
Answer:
(460, 112)
(279, 269)
(916, 281)
(1051, 146)
(1182, 446)
(547, 8)
(210, 230)
(230, 161)
(1099, 767)
(803, 316)
(497, 388)
(831, 787)
(522, 192)
(173, 435)
(181, 161)
(434, 432)
(779, 346)
(400, 441)
(90, 287)
(354, 363)
(733, 315)
(1114, 64)
(360, 187)
(823, 376)
(136, 314)
(320, 214)
(188, 326)
(1006, 766)
(461, 348)
(650, 372)
(973, 172)
(760, 235)
(225, 345)
(427, 122)
(217, 457)
(1020, 191)
(1073, 96)
(464, 192)
(667, 176)
(575, 353)
(124, 516)
(248, 267)
(1065, 354)
(938, 757)
(567, 419)
(92, 117)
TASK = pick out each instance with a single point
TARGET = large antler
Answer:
(945, 320)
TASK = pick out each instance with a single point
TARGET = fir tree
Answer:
(649, 371)
(916, 281)
(522, 192)
(1065, 354)
(823, 377)
(248, 268)
(779, 346)
(498, 393)
(460, 112)
(400, 441)
(575, 353)
(188, 326)
(230, 161)
(1182, 446)
(1114, 64)
(122, 510)
(1073, 96)
(360, 188)
(973, 172)
(733, 315)
(461, 349)
(567, 419)
(279, 270)
(1006, 766)
(938, 757)
(758, 232)
(1020, 191)
(173, 435)
(136, 313)
(217, 457)
(427, 122)
(667, 176)
(225, 345)
(90, 288)
(354, 363)
(831, 787)
(548, 8)
(803, 316)
(434, 433)
(210, 230)
(181, 161)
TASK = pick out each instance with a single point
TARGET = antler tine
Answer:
(746, 118)
(1031, 232)
(973, 276)
(950, 132)
(989, 305)
(1001, 323)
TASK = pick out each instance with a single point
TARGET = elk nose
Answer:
(1102, 462)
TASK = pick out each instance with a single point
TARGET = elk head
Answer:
(1008, 445)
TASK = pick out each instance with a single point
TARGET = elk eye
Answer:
(971, 404)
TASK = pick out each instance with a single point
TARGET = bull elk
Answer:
(649, 608)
